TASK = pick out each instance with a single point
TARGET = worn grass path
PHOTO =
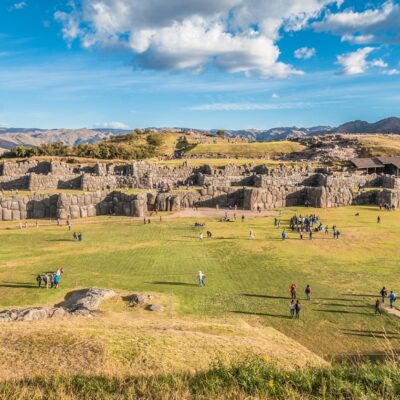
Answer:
(245, 279)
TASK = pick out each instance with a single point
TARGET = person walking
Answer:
(378, 220)
(310, 234)
(39, 280)
(308, 292)
(201, 236)
(378, 308)
(392, 298)
(46, 280)
(298, 309)
(251, 234)
(284, 235)
(383, 294)
(293, 290)
(292, 307)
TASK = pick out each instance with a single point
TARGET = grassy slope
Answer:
(245, 279)
(247, 150)
(379, 145)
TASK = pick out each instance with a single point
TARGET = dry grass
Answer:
(123, 340)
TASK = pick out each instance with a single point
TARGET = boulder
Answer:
(137, 300)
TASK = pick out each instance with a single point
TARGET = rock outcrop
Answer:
(79, 303)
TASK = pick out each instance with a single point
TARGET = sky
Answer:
(226, 64)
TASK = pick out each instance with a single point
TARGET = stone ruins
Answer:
(99, 189)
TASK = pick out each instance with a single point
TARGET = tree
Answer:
(155, 139)
(220, 133)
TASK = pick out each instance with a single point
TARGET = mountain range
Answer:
(12, 137)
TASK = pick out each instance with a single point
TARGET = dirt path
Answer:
(185, 213)
(393, 311)
(220, 213)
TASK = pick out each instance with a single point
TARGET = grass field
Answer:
(246, 280)
(247, 150)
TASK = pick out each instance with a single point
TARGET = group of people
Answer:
(50, 279)
(383, 295)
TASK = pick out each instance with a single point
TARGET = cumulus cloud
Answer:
(111, 125)
(374, 25)
(391, 72)
(304, 53)
(238, 36)
(356, 62)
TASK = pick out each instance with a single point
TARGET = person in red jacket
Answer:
(293, 290)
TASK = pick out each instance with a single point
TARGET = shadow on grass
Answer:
(370, 332)
(265, 296)
(17, 285)
(61, 240)
(360, 295)
(344, 312)
(262, 314)
(172, 283)
(345, 305)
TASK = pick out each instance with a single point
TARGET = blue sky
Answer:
(228, 64)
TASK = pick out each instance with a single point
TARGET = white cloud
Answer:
(356, 62)
(391, 72)
(374, 25)
(111, 125)
(20, 5)
(247, 106)
(275, 96)
(304, 53)
(237, 36)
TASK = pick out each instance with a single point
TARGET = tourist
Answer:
(46, 280)
(69, 225)
(279, 223)
(39, 280)
(378, 308)
(378, 220)
(145, 221)
(201, 236)
(20, 225)
(292, 307)
(251, 235)
(242, 218)
(337, 234)
(392, 298)
(202, 278)
(75, 236)
(383, 294)
(310, 234)
(209, 234)
(275, 222)
(297, 309)
(56, 280)
(326, 229)
(37, 224)
(284, 235)
(293, 290)
(308, 292)
(334, 232)
(301, 234)
(80, 237)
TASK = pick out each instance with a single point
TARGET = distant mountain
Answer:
(387, 125)
(279, 133)
(12, 137)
